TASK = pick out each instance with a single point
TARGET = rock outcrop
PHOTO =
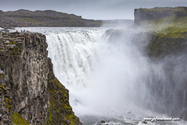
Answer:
(158, 12)
(167, 85)
(29, 91)
(170, 44)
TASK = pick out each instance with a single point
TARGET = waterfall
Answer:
(103, 70)
(73, 55)
(109, 75)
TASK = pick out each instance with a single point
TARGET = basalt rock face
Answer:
(29, 91)
(158, 12)
(168, 86)
(170, 44)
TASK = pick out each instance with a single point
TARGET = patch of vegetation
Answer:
(27, 20)
(161, 9)
(166, 25)
(167, 44)
(7, 103)
(1, 86)
(169, 35)
(60, 111)
(18, 120)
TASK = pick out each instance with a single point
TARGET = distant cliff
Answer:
(166, 40)
(47, 18)
(29, 91)
(158, 12)
(171, 44)
(167, 84)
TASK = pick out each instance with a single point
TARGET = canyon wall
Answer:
(29, 91)
(167, 85)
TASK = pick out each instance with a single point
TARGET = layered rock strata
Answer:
(29, 91)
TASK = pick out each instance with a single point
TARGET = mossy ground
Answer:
(166, 25)
(18, 120)
(169, 35)
(60, 111)
(161, 9)
(167, 44)
(7, 101)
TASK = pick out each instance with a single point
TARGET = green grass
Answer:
(166, 25)
(27, 20)
(159, 9)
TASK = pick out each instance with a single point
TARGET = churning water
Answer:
(110, 78)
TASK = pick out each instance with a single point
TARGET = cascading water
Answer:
(109, 76)
(101, 78)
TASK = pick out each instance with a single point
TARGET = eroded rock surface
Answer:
(29, 91)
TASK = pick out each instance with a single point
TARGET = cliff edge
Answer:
(143, 14)
(29, 91)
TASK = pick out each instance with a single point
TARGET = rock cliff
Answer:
(29, 91)
(167, 86)
(170, 44)
(158, 12)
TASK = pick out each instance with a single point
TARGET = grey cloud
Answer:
(96, 9)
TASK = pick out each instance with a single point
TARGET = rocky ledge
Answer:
(29, 91)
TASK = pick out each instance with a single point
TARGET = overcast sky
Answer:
(90, 9)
